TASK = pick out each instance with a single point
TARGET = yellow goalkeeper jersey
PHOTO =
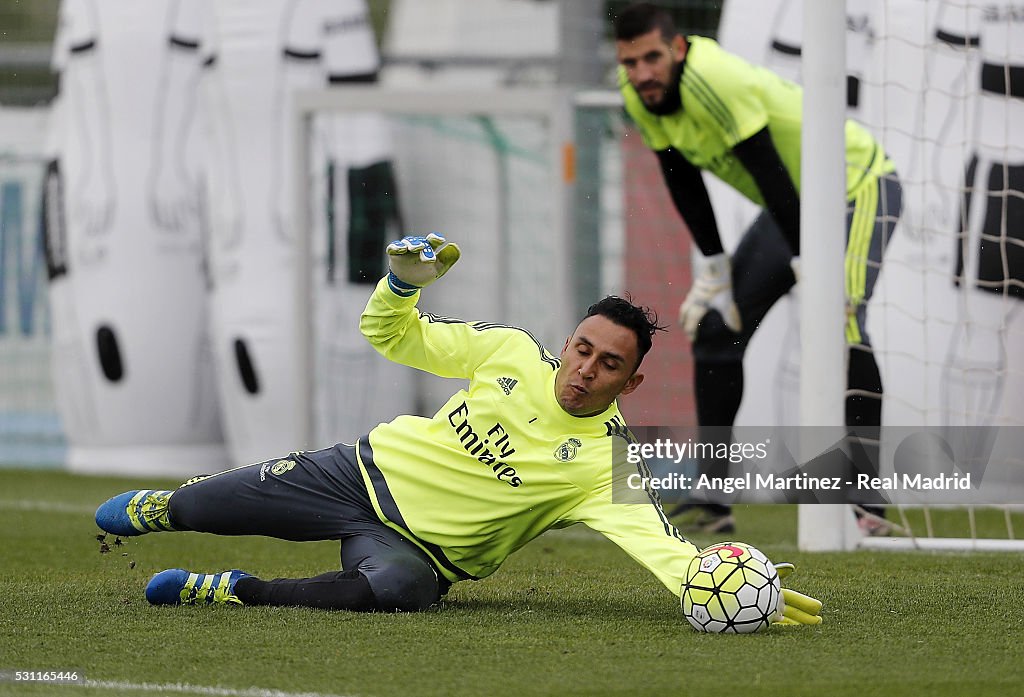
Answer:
(501, 462)
(726, 100)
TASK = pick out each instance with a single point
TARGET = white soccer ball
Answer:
(730, 587)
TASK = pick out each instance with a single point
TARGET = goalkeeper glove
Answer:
(415, 262)
(711, 291)
(795, 608)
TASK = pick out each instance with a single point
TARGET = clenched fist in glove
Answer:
(415, 262)
(711, 291)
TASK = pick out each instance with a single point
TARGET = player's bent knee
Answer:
(404, 587)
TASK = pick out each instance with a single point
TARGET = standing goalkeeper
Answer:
(421, 503)
(699, 107)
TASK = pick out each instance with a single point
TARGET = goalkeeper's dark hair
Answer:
(642, 18)
(642, 320)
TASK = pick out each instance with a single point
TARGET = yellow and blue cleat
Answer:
(135, 513)
(180, 587)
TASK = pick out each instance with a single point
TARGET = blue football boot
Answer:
(135, 513)
(180, 587)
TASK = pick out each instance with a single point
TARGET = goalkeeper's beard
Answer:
(671, 101)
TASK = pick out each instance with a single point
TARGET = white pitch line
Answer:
(186, 689)
(45, 506)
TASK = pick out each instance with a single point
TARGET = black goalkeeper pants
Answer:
(304, 497)
(762, 275)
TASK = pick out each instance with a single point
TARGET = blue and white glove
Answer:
(712, 290)
(415, 262)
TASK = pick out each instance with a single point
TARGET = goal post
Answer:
(823, 527)
(944, 318)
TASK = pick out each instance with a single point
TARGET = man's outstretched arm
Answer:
(636, 523)
(401, 333)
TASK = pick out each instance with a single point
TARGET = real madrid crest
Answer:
(281, 466)
(567, 450)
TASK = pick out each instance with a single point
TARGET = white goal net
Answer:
(951, 82)
(941, 84)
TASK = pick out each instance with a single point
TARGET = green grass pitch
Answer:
(568, 615)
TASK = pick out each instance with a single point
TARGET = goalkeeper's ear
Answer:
(632, 383)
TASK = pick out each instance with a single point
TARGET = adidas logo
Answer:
(506, 384)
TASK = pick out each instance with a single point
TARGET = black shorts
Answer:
(303, 496)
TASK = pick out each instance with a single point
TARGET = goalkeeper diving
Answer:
(421, 503)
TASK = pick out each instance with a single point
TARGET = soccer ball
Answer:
(730, 587)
